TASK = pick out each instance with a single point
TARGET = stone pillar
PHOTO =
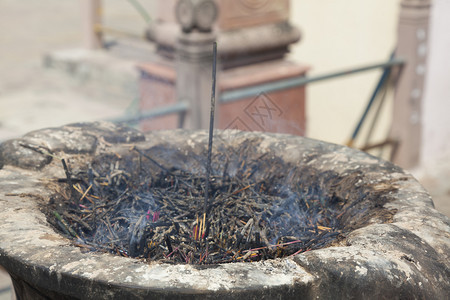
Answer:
(91, 18)
(412, 46)
(253, 37)
(436, 100)
(194, 49)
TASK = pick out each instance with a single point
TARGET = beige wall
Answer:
(339, 35)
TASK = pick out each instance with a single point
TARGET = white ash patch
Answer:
(224, 277)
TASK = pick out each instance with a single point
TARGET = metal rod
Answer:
(91, 16)
(234, 95)
(386, 142)
(141, 10)
(98, 28)
(381, 83)
(211, 127)
(378, 109)
(179, 107)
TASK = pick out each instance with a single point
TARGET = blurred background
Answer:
(334, 37)
(316, 64)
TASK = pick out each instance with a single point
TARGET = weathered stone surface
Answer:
(111, 133)
(35, 149)
(405, 257)
(379, 262)
(62, 139)
(13, 153)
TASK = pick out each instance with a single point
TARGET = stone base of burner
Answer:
(406, 258)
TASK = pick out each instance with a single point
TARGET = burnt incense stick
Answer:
(69, 181)
(211, 128)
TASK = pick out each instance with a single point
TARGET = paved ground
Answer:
(33, 97)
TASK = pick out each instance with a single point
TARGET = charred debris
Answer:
(150, 204)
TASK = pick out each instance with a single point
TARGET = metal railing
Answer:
(181, 108)
(94, 29)
(234, 95)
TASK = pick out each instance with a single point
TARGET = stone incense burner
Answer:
(393, 243)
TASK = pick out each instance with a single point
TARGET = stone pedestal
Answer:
(280, 111)
(157, 90)
(412, 46)
(247, 31)
(252, 37)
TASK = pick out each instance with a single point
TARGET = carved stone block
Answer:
(246, 13)
(236, 13)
